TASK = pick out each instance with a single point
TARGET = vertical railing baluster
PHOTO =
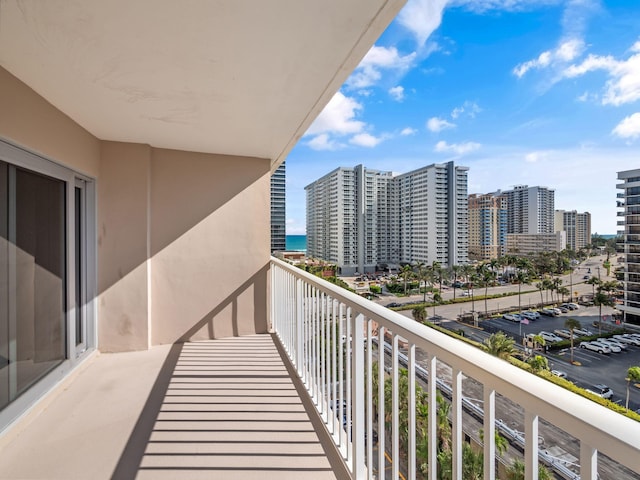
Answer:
(432, 424)
(381, 406)
(340, 407)
(456, 423)
(411, 371)
(588, 461)
(489, 433)
(369, 397)
(395, 409)
(348, 386)
(530, 445)
(355, 424)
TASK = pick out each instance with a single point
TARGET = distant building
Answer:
(278, 210)
(487, 226)
(577, 227)
(530, 209)
(532, 243)
(363, 219)
(629, 214)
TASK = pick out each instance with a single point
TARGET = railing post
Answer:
(411, 372)
(456, 423)
(357, 396)
(530, 446)
(588, 461)
(298, 327)
(489, 433)
(432, 424)
(381, 407)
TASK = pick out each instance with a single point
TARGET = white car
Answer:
(601, 391)
(561, 332)
(574, 306)
(531, 315)
(512, 317)
(582, 332)
(596, 347)
(631, 340)
(612, 341)
(550, 337)
(559, 373)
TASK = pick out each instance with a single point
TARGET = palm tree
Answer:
(406, 272)
(437, 300)
(633, 375)
(516, 471)
(522, 276)
(538, 363)
(419, 313)
(420, 270)
(486, 276)
(602, 298)
(540, 286)
(571, 324)
(564, 291)
(500, 345)
(455, 270)
(593, 281)
(436, 268)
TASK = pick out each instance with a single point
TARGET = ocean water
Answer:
(296, 243)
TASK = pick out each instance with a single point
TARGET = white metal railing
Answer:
(332, 338)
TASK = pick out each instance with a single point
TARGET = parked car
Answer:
(630, 340)
(574, 306)
(562, 309)
(530, 315)
(550, 337)
(512, 317)
(569, 306)
(596, 347)
(582, 332)
(561, 332)
(601, 390)
(557, 310)
(548, 312)
(612, 341)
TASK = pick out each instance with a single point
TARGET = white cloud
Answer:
(422, 18)
(566, 52)
(481, 6)
(338, 117)
(365, 140)
(535, 157)
(377, 59)
(629, 127)
(471, 109)
(323, 142)
(397, 93)
(408, 131)
(436, 124)
(623, 85)
(457, 148)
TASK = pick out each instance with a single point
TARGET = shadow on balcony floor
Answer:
(218, 409)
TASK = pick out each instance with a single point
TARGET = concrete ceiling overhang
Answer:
(236, 77)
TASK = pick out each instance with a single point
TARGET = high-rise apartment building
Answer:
(577, 227)
(629, 203)
(530, 209)
(278, 209)
(362, 219)
(487, 226)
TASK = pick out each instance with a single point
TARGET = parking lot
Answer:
(594, 368)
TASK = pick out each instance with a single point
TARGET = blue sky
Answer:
(536, 92)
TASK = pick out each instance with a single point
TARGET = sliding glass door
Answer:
(45, 285)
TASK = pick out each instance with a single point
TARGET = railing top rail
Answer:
(618, 435)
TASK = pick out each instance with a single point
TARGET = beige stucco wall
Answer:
(183, 238)
(210, 240)
(28, 120)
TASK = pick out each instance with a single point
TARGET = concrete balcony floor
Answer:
(214, 409)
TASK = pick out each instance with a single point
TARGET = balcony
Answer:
(263, 406)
